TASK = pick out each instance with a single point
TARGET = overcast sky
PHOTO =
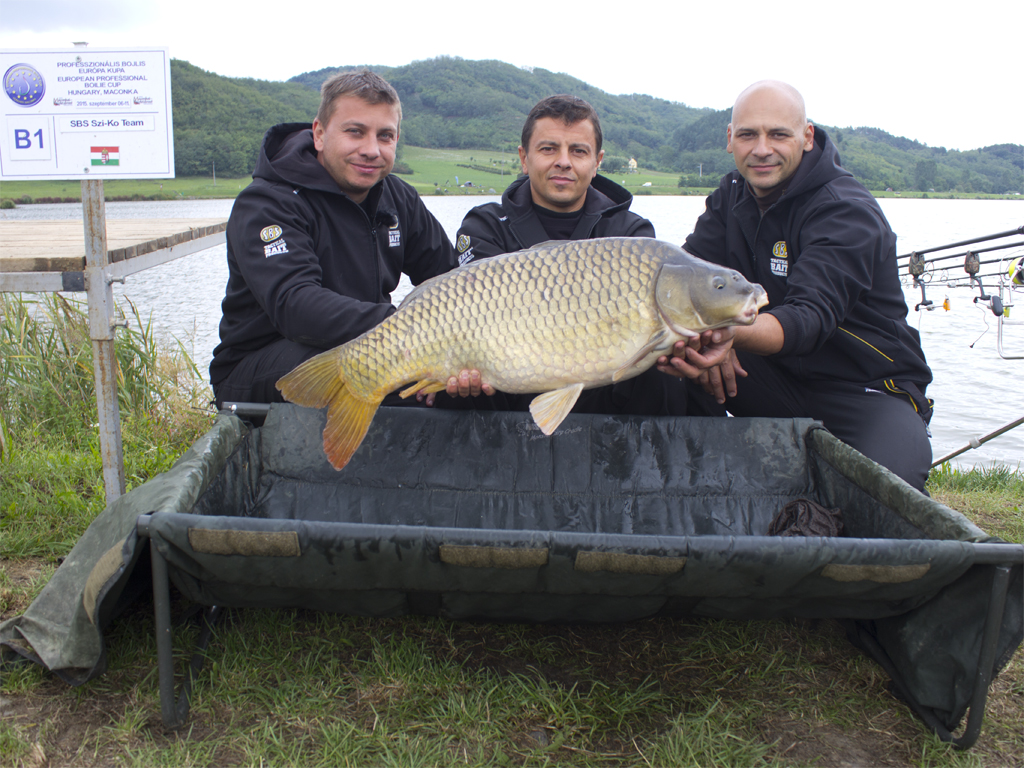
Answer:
(946, 76)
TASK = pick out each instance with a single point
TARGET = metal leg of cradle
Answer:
(987, 660)
(982, 677)
(174, 713)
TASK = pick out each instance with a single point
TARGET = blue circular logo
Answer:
(24, 85)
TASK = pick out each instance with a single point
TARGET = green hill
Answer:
(458, 104)
(220, 120)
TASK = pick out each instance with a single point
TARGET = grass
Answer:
(434, 172)
(295, 687)
(52, 468)
(185, 187)
(992, 497)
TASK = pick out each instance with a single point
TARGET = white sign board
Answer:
(86, 113)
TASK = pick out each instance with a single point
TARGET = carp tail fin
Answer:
(348, 419)
(317, 383)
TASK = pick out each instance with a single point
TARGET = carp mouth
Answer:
(757, 299)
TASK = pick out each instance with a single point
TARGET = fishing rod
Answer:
(918, 268)
(976, 442)
(958, 280)
(966, 253)
(1018, 231)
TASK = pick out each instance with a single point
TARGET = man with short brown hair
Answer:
(319, 240)
(560, 195)
(364, 84)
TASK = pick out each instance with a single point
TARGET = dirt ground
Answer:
(67, 725)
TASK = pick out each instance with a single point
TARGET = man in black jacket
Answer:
(834, 343)
(560, 196)
(319, 240)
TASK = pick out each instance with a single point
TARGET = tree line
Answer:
(449, 102)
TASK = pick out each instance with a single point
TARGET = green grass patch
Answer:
(993, 497)
(434, 171)
(182, 188)
(50, 463)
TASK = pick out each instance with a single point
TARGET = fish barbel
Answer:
(557, 318)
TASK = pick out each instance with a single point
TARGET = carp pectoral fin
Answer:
(316, 383)
(426, 386)
(552, 407)
(629, 368)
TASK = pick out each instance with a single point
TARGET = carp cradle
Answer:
(612, 518)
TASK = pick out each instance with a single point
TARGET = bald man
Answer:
(834, 343)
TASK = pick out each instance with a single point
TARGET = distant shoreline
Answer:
(17, 193)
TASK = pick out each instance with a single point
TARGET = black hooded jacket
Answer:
(495, 228)
(308, 264)
(826, 255)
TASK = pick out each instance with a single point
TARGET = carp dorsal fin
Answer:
(656, 340)
(552, 407)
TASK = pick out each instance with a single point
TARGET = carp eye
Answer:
(718, 283)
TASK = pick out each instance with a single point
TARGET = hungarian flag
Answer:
(104, 156)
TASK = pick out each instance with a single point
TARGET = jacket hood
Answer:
(288, 156)
(819, 166)
(609, 199)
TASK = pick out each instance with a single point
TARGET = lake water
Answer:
(976, 391)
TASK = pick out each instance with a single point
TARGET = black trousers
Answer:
(652, 393)
(885, 428)
(253, 380)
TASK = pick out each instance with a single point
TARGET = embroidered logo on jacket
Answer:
(462, 245)
(779, 263)
(394, 236)
(275, 248)
(271, 233)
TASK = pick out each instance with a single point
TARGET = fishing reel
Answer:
(972, 265)
(916, 267)
(1016, 272)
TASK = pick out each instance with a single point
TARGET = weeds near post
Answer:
(46, 368)
(51, 483)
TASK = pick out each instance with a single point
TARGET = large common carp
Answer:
(556, 319)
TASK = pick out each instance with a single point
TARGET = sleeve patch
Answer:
(271, 233)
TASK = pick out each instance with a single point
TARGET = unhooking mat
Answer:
(479, 515)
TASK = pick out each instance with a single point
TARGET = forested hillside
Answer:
(455, 103)
(451, 102)
(878, 159)
(220, 120)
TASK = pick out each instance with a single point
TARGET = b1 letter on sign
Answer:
(30, 138)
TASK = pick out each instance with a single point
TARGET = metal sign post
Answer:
(102, 324)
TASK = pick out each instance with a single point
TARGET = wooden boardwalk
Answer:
(59, 246)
